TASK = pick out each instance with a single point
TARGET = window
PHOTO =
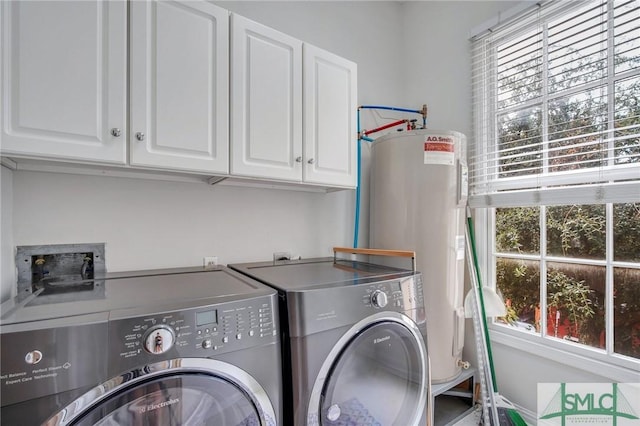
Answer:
(555, 174)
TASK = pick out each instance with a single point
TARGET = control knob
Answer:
(379, 299)
(159, 339)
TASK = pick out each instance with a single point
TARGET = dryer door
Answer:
(377, 374)
(176, 392)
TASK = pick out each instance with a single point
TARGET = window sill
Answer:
(613, 367)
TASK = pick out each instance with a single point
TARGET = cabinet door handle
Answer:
(140, 136)
(311, 161)
(115, 132)
(298, 159)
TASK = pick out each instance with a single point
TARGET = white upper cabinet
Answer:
(266, 102)
(270, 108)
(64, 80)
(175, 85)
(179, 86)
(330, 108)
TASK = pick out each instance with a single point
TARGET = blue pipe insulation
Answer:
(356, 224)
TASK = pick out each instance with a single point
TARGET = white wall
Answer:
(150, 224)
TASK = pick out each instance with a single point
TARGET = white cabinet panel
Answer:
(330, 108)
(179, 86)
(64, 79)
(64, 91)
(266, 102)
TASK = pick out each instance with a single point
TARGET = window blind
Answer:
(556, 106)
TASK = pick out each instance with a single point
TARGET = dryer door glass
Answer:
(378, 379)
(181, 399)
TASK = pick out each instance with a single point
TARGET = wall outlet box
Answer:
(281, 255)
(210, 262)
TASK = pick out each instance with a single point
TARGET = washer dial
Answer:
(379, 299)
(159, 339)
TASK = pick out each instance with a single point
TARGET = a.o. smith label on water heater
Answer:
(439, 149)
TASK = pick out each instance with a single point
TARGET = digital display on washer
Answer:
(206, 317)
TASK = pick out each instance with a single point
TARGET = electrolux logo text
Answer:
(616, 404)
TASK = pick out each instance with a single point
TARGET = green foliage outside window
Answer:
(577, 231)
(576, 292)
(519, 230)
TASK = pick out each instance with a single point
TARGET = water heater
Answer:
(418, 196)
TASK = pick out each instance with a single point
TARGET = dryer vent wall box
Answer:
(162, 327)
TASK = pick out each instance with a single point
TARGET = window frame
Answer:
(612, 366)
(608, 191)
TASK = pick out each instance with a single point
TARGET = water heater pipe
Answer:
(386, 126)
(363, 136)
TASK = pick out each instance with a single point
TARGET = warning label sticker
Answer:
(439, 150)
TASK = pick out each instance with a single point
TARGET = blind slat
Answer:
(603, 145)
(556, 102)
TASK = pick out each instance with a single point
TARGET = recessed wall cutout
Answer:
(59, 268)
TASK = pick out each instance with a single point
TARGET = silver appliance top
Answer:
(142, 290)
(309, 274)
(70, 339)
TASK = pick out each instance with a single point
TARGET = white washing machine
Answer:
(157, 348)
(353, 346)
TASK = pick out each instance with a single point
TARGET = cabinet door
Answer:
(266, 102)
(330, 108)
(179, 86)
(64, 79)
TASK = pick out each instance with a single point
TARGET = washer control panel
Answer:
(339, 306)
(230, 325)
(400, 294)
(195, 332)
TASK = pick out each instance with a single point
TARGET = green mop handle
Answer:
(488, 395)
(476, 268)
